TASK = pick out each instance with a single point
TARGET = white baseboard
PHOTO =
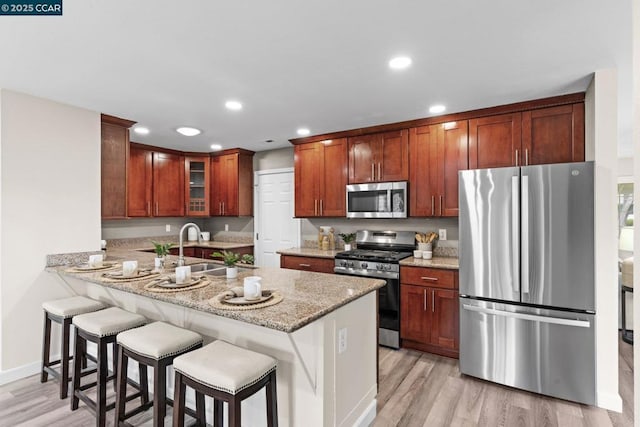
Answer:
(610, 401)
(367, 417)
(19, 373)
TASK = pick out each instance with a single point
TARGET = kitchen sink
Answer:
(207, 267)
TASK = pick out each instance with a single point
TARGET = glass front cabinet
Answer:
(197, 186)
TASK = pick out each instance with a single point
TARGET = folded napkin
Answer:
(238, 291)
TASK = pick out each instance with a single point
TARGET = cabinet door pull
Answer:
(321, 207)
(433, 205)
(223, 208)
(516, 157)
(431, 279)
(315, 207)
(441, 203)
(373, 172)
(424, 298)
(305, 265)
(379, 172)
(526, 157)
(433, 300)
(149, 208)
(157, 210)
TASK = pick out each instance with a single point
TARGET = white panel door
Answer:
(275, 226)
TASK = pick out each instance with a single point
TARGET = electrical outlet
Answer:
(167, 228)
(226, 227)
(342, 340)
(442, 234)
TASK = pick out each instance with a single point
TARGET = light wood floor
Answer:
(416, 389)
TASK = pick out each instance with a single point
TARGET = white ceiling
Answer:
(318, 64)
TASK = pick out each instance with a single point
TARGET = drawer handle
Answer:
(305, 265)
(431, 279)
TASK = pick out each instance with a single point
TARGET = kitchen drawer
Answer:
(432, 277)
(320, 265)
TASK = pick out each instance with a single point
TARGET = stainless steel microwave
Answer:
(380, 200)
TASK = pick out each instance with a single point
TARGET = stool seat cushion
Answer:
(225, 367)
(69, 307)
(627, 272)
(158, 340)
(107, 322)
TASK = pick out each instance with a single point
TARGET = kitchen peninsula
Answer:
(318, 383)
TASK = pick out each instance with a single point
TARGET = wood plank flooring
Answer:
(416, 389)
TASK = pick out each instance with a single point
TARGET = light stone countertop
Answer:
(307, 296)
(436, 262)
(310, 252)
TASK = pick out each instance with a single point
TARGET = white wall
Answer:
(636, 153)
(49, 203)
(600, 130)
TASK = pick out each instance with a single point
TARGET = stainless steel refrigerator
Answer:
(527, 297)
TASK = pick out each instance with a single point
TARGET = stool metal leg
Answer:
(272, 401)
(121, 392)
(79, 343)
(178, 401)
(64, 359)
(46, 344)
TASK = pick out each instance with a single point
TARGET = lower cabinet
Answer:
(429, 318)
(319, 265)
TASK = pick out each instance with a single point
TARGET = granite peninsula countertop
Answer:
(309, 252)
(435, 262)
(307, 296)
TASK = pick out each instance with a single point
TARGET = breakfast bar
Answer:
(323, 332)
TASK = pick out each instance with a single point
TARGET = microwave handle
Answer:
(389, 205)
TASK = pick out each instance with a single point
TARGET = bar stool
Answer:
(155, 345)
(228, 374)
(62, 311)
(101, 328)
(626, 285)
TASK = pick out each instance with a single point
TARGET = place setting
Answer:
(247, 297)
(129, 272)
(95, 263)
(182, 280)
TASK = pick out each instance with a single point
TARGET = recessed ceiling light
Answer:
(400, 62)
(140, 130)
(269, 141)
(437, 109)
(216, 147)
(303, 131)
(233, 105)
(187, 131)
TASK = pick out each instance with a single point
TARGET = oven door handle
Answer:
(359, 273)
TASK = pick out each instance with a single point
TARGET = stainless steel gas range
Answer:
(378, 255)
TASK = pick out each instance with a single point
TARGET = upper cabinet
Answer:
(232, 183)
(438, 152)
(321, 178)
(113, 164)
(156, 182)
(197, 185)
(379, 157)
(533, 137)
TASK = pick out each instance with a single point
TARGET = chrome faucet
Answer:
(181, 253)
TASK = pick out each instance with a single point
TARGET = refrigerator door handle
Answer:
(525, 235)
(533, 317)
(515, 225)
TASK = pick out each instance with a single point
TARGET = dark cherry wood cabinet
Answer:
(318, 265)
(495, 141)
(197, 185)
(429, 313)
(438, 152)
(232, 183)
(553, 135)
(379, 157)
(321, 178)
(156, 183)
(114, 158)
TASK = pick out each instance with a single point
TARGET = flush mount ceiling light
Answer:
(303, 131)
(140, 130)
(233, 105)
(400, 62)
(216, 147)
(435, 109)
(188, 131)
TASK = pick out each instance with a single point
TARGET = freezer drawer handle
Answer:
(533, 317)
(431, 279)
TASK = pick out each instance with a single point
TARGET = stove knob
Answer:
(351, 264)
(343, 263)
(364, 265)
